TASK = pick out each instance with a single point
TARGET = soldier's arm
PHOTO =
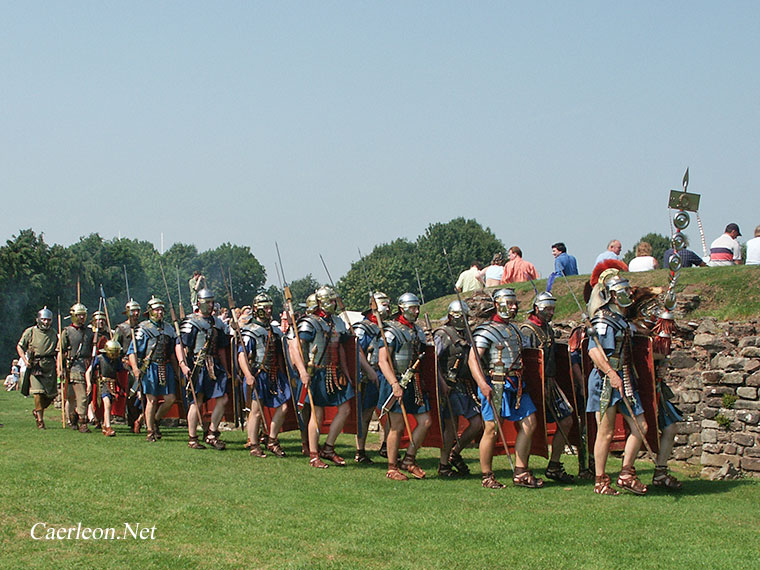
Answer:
(477, 371)
(367, 368)
(385, 355)
(600, 361)
(296, 358)
(22, 353)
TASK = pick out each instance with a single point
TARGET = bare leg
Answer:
(394, 436)
(337, 424)
(559, 442)
(605, 431)
(216, 415)
(634, 441)
(525, 429)
(487, 443)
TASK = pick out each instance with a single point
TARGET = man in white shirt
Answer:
(725, 250)
(753, 249)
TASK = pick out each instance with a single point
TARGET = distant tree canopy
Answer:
(34, 274)
(659, 244)
(391, 267)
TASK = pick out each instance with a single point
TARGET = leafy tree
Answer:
(659, 244)
(391, 267)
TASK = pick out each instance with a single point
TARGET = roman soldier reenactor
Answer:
(322, 335)
(76, 356)
(105, 366)
(499, 343)
(203, 344)
(155, 365)
(367, 334)
(456, 382)
(262, 362)
(399, 361)
(123, 334)
(538, 333)
(613, 379)
(38, 348)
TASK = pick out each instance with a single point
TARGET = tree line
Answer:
(34, 274)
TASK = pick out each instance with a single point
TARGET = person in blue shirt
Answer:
(564, 263)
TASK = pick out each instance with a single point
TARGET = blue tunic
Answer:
(595, 380)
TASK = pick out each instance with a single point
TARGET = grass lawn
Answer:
(228, 510)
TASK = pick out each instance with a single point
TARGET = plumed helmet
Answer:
(260, 304)
(457, 314)
(327, 298)
(621, 287)
(311, 304)
(44, 318)
(406, 303)
(206, 301)
(112, 349)
(155, 303)
(506, 303)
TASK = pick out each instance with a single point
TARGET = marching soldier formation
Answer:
(467, 385)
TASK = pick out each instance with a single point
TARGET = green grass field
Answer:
(228, 510)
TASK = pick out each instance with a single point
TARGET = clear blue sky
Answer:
(327, 125)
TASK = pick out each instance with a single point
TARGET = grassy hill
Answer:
(727, 293)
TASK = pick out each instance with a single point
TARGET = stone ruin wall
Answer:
(714, 371)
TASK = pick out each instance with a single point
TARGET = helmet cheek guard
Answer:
(206, 302)
(328, 299)
(407, 304)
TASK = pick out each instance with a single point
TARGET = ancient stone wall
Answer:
(714, 371)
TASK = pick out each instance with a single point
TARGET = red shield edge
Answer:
(533, 375)
(428, 378)
(643, 362)
(564, 379)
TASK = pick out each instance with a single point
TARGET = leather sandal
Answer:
(361, 458)
(212, 439)
(328, 452)
(586, 474)
(256, 451)
(458, 463)
(83, 427)
(410, 466)
(556, 471)
(662, 478)
(151, 437)
(524, 478)
(315, 461)
(158, 433)
(108, 431)
(603, 485)
(38, 418)
(274, 446)
(628, 481)
(383, 452)
(446, 472)
(136, 426)
(193, 443)
(394, 474)
(490, 482)
(248, 444)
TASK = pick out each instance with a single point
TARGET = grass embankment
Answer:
(228, 510)
(726, 293)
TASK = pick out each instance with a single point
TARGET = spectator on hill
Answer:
(11, 381)
(688, 257)
(753, 249)
(725, 250)
(196, 283)
(643, 260)
(470, 279)
(612, 252)
(517, 269)
(564, 264)
(494, 271)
